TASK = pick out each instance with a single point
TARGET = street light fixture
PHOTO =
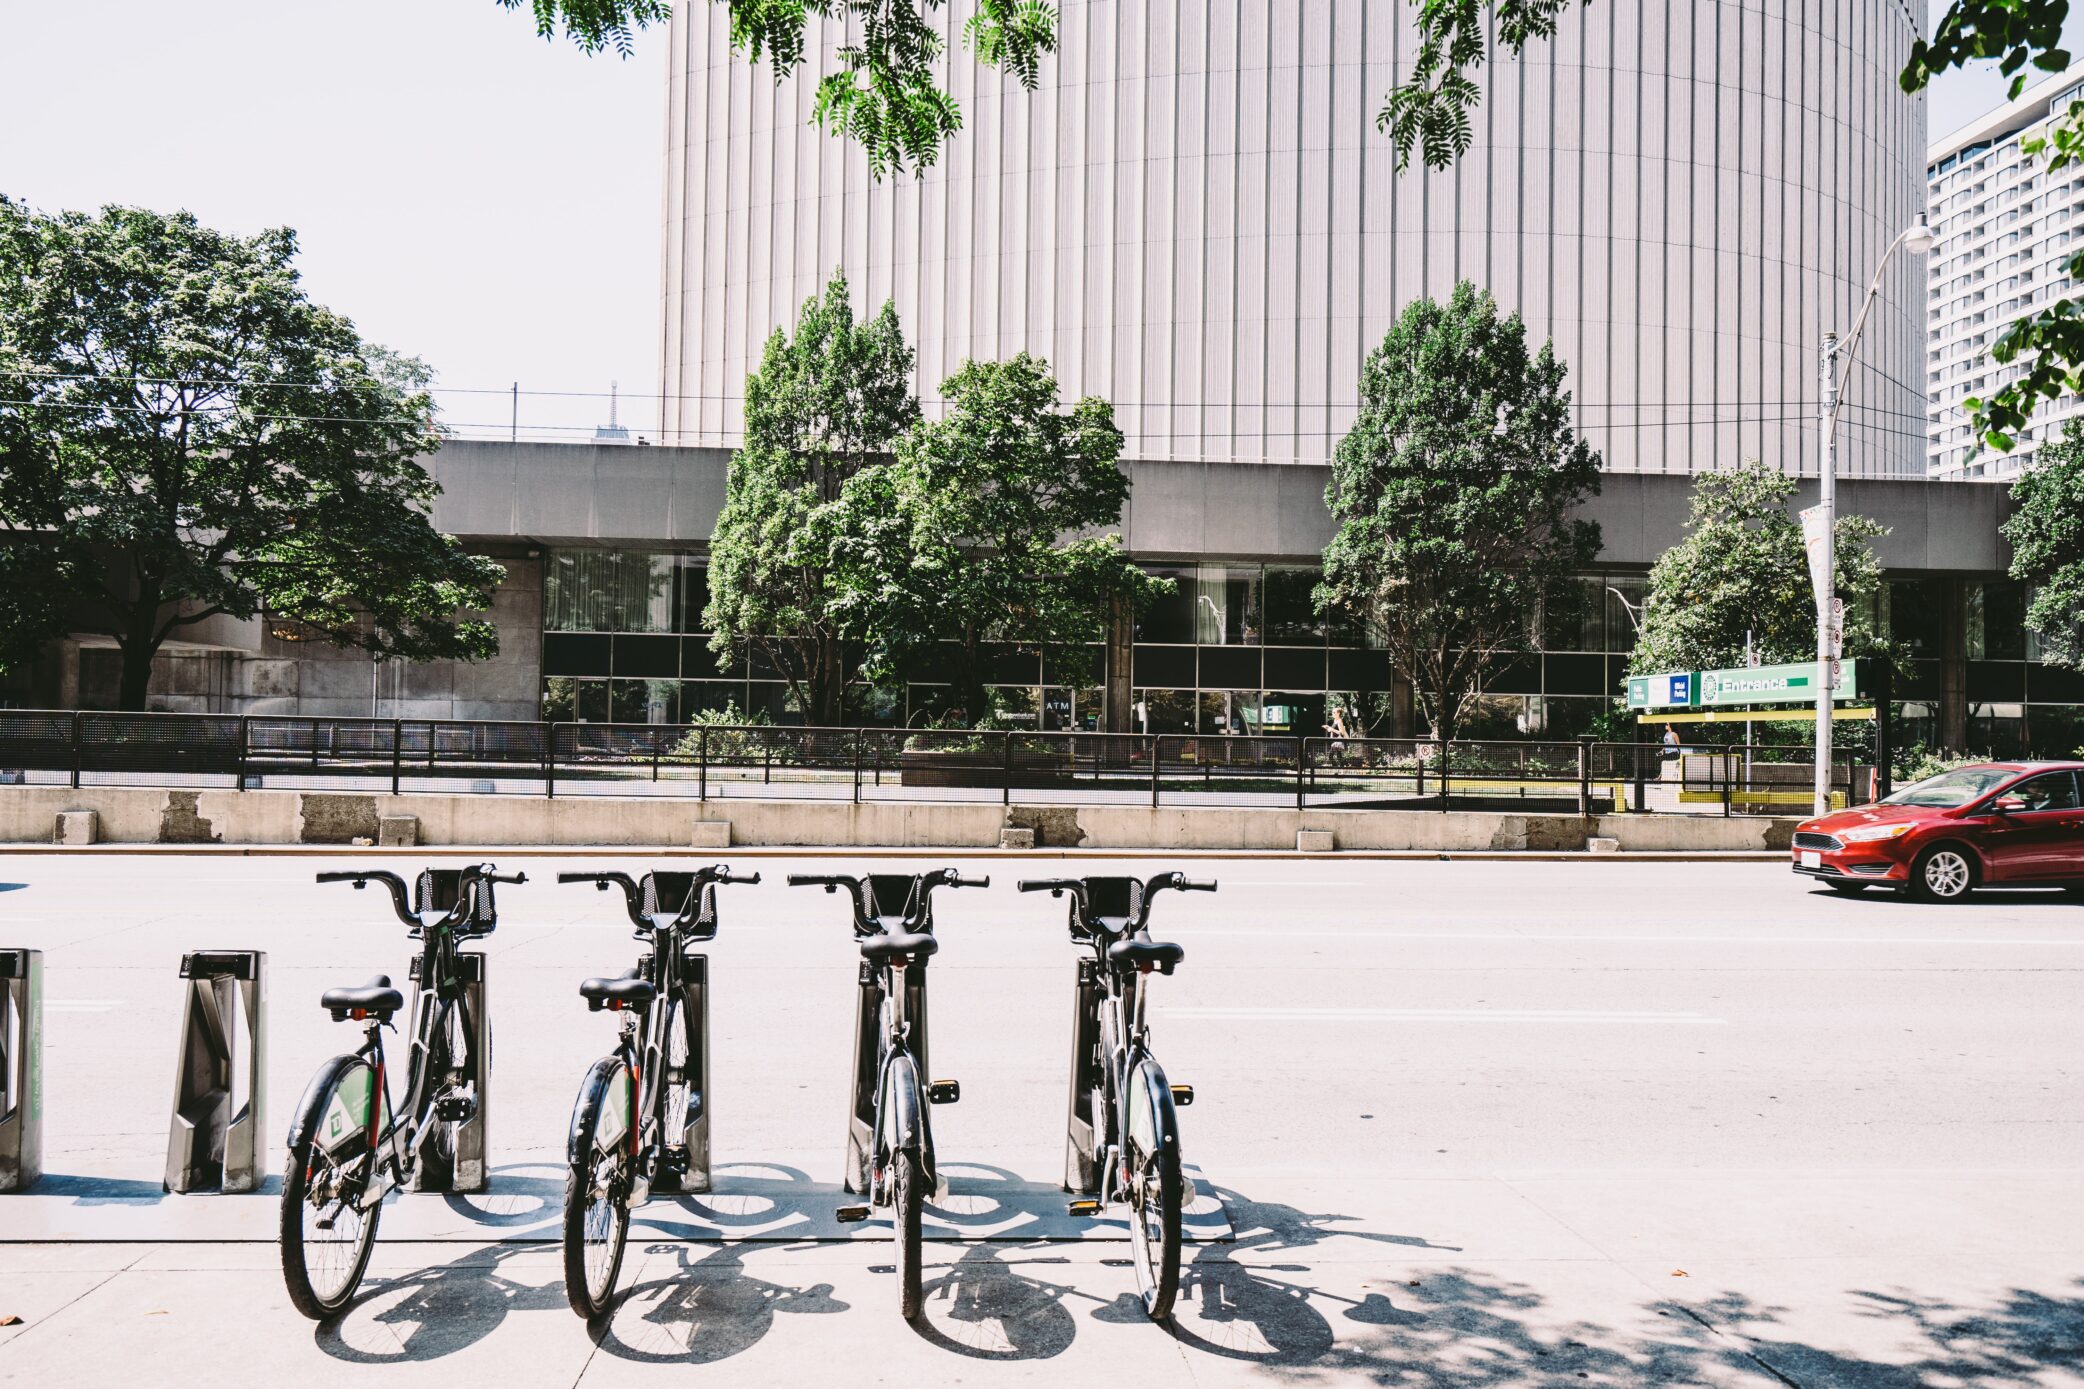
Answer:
(1917, 239)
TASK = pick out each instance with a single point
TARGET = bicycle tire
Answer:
(908, 1199)
(597, 1202)
(314, 1165)
(1156, 1190)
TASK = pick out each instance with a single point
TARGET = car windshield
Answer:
(1950, 789)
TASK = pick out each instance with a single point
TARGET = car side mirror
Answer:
(2007, 805)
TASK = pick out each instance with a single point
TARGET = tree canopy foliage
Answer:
(184, 434)
(2047, 538)
(983, 530)
(1743, 572)
(824, 404)
(1453, 495)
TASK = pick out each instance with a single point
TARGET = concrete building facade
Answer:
(606, 550)
(2006, 229)
(1196, 218)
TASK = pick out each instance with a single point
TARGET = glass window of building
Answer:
(608, 591)
(1170, 617)
(1291, 611)
(1227, 608)
(1165, 711)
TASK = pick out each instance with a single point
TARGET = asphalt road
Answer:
(1464, 1123)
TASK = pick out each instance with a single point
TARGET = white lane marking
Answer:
(1535, 937)
(1534, 1015)
(80, 1005)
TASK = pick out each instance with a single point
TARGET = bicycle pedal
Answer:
(851, 1215)
(944, 1092)
(1183, 1095)
(455, 1109)
(1083, 1208)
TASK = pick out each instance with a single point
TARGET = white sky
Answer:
(464, 191)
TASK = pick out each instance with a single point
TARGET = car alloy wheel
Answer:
(1945, 875)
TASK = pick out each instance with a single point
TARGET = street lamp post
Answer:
(1916, 238)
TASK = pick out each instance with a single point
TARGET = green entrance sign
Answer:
(1789, 684)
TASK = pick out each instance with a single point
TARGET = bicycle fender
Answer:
(304, 1120)
(1147, 1081)
(593, 1092)
(901, 1088)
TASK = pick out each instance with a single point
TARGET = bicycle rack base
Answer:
(694, 998)
(1081, 1165)
(209, 1145)
(472, 1144)
(21, 1068)
(868, 1045)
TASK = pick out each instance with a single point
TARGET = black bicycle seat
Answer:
(376, 998)
(1146, 954)
(885, 944)
(628, 991)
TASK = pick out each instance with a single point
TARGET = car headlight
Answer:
(1867, 834)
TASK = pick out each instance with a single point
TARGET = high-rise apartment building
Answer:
(2005, 228)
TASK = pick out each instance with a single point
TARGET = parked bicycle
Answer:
(1123, 1126)
(890, 1153)
(641, 1121)
(348, 1148)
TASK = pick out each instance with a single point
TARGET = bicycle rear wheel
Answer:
(908, 1198)
(325, 1236)
(597, 1188)
(1155, 1188)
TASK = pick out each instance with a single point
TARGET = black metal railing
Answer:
(871, 764)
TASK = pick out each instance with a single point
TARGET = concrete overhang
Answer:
(669, 498)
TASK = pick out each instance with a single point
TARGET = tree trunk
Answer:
(828, 684)
(137, 675)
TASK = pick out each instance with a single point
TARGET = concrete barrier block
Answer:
(78, 827)
(1010, 838)
(1598, 845)
(711, 834)
(399, 831)
(1314, 842)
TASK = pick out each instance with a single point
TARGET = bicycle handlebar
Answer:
(828, 881)
(633, 893)
(362, 877)
(1058, 885)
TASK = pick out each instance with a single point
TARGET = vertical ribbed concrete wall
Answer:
(1196, 218)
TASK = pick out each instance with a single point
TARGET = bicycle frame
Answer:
(440, 971)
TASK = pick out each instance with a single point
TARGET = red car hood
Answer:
(1862, 815)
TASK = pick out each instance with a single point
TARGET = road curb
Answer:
(441, 851)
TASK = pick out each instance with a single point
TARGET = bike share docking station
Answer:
(21, 1068)
(216, 1139)
(672, 890)
(1081, 1163)
(467, 1165)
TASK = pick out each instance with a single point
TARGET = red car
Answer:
(1999, 824)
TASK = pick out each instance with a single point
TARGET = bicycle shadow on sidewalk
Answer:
(690, 1308)
(430, 1312)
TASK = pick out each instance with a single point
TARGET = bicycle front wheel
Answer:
(326, 1236)
(597, 1187)
(1155, 1188)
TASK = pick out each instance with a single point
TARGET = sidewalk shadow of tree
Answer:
(702, 1308)
(1459, 1328)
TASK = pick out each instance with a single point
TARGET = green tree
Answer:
(1743, 569)
(2047, 538)
(1453, 493)
(982, 530)
(885, 94)
(823, 405)
(187, 435)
